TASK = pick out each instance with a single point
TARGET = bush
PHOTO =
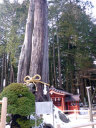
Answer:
(21, 102)
(25, 123)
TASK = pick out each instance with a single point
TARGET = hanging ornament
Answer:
(45, 89)
(58, 99)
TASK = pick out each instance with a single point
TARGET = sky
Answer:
(93, 3)
(20, 1)
(94, 8)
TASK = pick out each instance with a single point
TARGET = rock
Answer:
(63, 117)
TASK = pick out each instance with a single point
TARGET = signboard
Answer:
(44, 107)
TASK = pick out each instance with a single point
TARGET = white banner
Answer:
(44, 107)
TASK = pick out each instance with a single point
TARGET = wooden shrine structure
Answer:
(64, 100)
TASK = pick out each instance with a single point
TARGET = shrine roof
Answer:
(60, 92)
(72, 98)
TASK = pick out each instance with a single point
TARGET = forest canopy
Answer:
(71, 40)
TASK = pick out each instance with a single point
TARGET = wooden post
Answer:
(89, 114)
(58, 126)
(90, 106)
(62, 103)
(75, 112)
(3, 112)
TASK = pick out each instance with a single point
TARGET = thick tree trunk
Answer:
(34, 53)
(25, 56)
(39, 55)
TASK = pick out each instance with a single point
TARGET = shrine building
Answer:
(64, 100)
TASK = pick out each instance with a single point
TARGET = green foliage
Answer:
(20, 100)
(12, 27)
(21, 103)
(25, 123)
(8, 119)
(77, 35)
(12, 45)
(39, 120)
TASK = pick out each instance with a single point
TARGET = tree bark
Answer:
(11, 74)
(6, 70)
(25, 56)
(2, 73)
(67, 82)
(59, 61)
(54, 64)
(34, 53)
(39, 55)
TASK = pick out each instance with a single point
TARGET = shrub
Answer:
(21, 102)
(25, 123)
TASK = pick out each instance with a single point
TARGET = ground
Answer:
(70, 120)
(78, 120)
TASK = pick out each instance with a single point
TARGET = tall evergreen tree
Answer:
(75, 29)
(12, 30)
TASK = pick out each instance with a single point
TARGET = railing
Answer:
(85, 125)
(76, 113)
(3, 112)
